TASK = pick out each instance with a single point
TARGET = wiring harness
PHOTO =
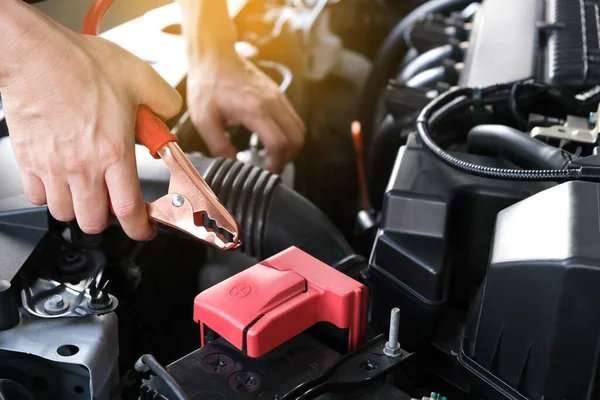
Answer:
(458, 99)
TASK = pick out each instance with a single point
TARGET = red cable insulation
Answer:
(94, 17)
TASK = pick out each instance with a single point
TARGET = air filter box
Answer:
(534, 333)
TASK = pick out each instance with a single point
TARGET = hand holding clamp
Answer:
(189, 197)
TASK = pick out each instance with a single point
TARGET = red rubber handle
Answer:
(152, 132)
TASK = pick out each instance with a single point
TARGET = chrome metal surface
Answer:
(40, 288)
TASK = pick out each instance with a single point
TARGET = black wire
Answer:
(470, 96)
(157, 369)
(515, 96)
(512, 104)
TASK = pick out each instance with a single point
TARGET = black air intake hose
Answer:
(273, 216)
(388, 55)
(447, 73)
(427, 78)
(432, 58)
(531, 152)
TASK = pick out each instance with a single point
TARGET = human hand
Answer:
(70, 104)
(230, 91)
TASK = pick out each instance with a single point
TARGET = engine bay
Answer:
(436, 238)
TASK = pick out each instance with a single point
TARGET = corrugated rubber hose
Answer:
(273, 216)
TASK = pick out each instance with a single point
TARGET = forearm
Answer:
(22, 32)
(209, 31)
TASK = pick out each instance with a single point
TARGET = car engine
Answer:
(437, 237)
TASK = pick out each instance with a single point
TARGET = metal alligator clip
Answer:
(189, 197)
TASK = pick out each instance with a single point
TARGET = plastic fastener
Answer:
(273, 301)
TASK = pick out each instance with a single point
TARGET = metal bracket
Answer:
(575, 129)
(46, 296)
(373, 364)
(82, 352)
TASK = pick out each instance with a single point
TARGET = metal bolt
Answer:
(100, 299)
(56, 301)
(100, 303)
(392, 347)
(178, 200)
(394, 327)
(55, 304)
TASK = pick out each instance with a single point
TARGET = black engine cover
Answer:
(573, 51)
(535, 332)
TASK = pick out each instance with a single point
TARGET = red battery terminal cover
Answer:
(275, 300)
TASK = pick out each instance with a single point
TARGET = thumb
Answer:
(153, 91)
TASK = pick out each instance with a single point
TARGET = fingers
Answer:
(273, 139)
(212, 131)
(86, 199)
(58, 196)
(34, 189)
(90, 203)
(126, 198)
(153, 91)
(279, 127)
(290, 123)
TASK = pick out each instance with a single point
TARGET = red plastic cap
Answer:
(273, 301)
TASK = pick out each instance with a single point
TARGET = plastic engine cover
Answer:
(433, 245)
(535, 332)
(572, 50)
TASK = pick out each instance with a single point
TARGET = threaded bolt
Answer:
(392, 347)
(394, 327)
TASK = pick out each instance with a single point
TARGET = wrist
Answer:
(214, 58)
(209, 48)
(209, 31)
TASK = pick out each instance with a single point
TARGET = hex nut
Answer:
(391, 351)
